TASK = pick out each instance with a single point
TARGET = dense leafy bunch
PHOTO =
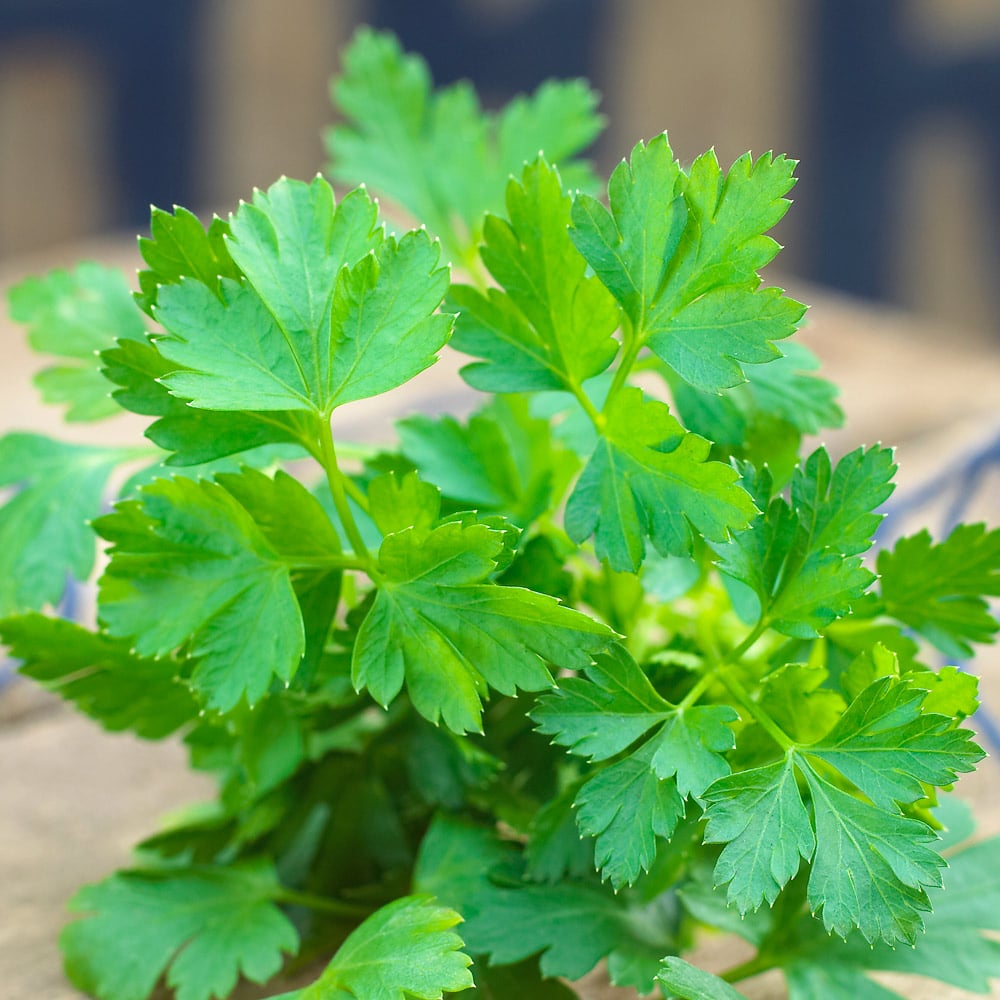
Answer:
(554, 684)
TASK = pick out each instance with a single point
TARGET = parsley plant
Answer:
(556, 684)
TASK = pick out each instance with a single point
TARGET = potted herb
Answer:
(563, 682)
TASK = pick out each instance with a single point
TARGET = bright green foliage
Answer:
(572, 924)
(401, 136)
(301, 333)
(179, 247)
(503, 459)
(587, 670)
(870, 865)
(43, 527)
(192, 547)
(798, 697)
(189, 435)
(100, 675)
(406, 949)
(886, 745)
(681, 252)
(648, 478)
(759, 816)
(951, 692)
(938, 590)
(871, 868)
(551, 326)
(289, 517)
(800, 559)
(638, 798)
(202, 927)
(953, 948)
(765, 416)
(439, 624)
(688, 982)
(75, 315)
(787, 388)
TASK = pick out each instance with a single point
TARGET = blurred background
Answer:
(893, 107)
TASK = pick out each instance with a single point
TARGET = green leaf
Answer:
(193, 436)
(681, 252)
(400, 138)
(405, 949)
(439, 625)
(648, 478)
(630, 246)
(202, 927)
(180, 247)
(44, 534)
(938, 590)
(191, 547)
(953, 948)
(797, 699)
(626, 807)
(785, 388)
(601, 717)
(889, 747)
(296, 526)
(330, 311)
(289, 517)
(400, 502)
(551, 326)
(100, 675)
(871, 867)
(950, 691)
(503, 459)
(75, 315)
(630, 803)
(760, 817)
(572, 925)
(688, 982)
(555, 848)
(801, 559)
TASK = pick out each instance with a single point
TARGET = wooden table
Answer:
(73, 799)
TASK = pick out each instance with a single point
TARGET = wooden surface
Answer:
(74, 799)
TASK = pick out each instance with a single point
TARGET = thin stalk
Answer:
(746, 970)
(758, 630)
(335, 480)
(633, 345)
(331, 562)
(596, 417)
(696, 692)
(356, 493)
(742, 696)
(336, 907)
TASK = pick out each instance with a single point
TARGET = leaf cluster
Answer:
(557, 683)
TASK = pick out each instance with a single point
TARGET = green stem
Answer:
(335, 480)
(356, 493)
(742, 696)
(721, 662)
(746, 970)
(738, 653)
(331, 562)
(633, 345)
(596, 417)
(696, 692)
(324, 904)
